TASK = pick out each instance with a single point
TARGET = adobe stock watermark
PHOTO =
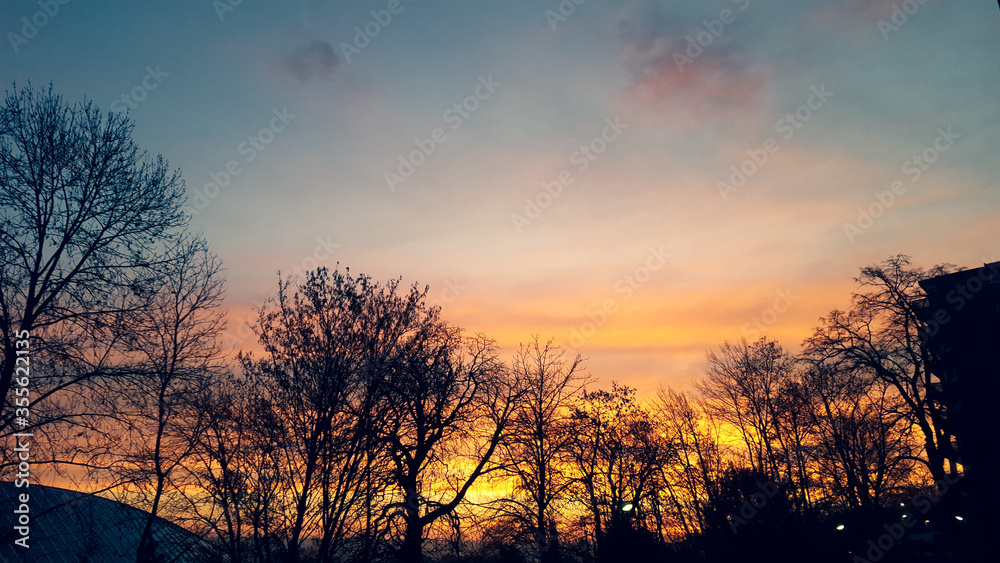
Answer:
(452, 290)
(248, 149)
(455, 116)
(31, 25)
(697, 43)
(899, 17)
(21, 381)
(322, 252)
(364, 34)
(581, 158)
(786, 127)
(757, 327)
(153, 78)
(223, 7)
(563, 11)
(914, 168)
(626, 287)
(749, 508)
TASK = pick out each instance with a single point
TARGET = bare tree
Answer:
(536, 452)
(742, 388)
(693, 462)
(450, 401)
(236, 470)
(87, 221)
(363, 389)
(864, 449)
(175, 346)
(616, 456)
(881, 335)
(326, 350)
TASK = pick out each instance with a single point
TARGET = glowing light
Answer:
(627, 507)
(840, 526)
(959, 518)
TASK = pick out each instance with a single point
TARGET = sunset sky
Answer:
(640, 180)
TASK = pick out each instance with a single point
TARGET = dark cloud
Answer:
(314, 60)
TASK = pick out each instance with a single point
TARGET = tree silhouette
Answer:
(743, 385)
(692, 464)
(235, 470)
(864, 450)
(175, 342)
(881, 335)
(327, 348)
(536, 452)
(88, 221)
(616, 454)
(450, 400)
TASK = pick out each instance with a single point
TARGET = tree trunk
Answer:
(410, 552)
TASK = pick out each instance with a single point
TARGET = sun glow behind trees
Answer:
(366, 425)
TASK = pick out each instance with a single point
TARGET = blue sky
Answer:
(643, 257)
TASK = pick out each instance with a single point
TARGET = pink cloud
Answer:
(672, 70)
(711, 81)
(709, 87)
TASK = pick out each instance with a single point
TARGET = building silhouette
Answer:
(73, 527)
(962, 347)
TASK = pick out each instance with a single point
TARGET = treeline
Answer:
(368, 428)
